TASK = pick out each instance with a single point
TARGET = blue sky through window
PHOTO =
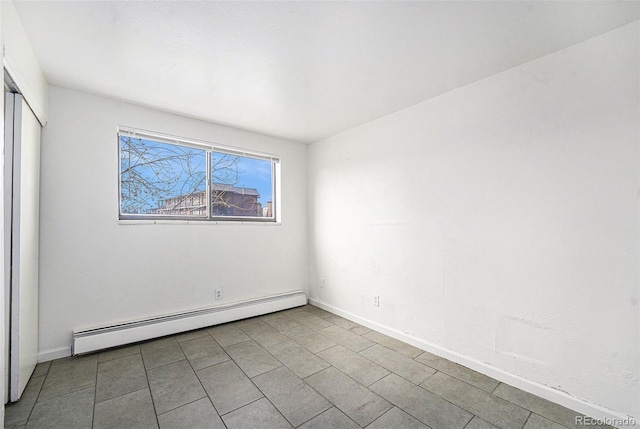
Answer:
(153, 172)
(246, 172)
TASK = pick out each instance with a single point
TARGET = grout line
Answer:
(361, 385)
(206, 395)
(264, 395)
(389, 410)
(367, 348)
(41, 387)
(325, 398)
(243, 372)
(489, 393)
(183, 405)
(321, 412)
(393, 372)
(165, 364)
(267, 398)
(124, 346)
(470, 420)
(95, 391)
(146, 375)
(36, 399)
(461, 380)
(194, 338)
(242, 406)
(462, 407)
(205, 389)
(267, 372)
(123, 394)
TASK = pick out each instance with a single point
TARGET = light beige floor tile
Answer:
(460, 372)
(488, 407)
(430, 409)
(191, 335)
(228, 387)
(309, 320)
(402, 365)
(161, 352)
(70, 411)
(393, 344)
(119, 376)
(537, 422)
(263, 333)
(294, 310)
(355, 366)
(347, 324)
(174, 385)
(291, 396)
(119, 352)
(41, 369)
(348, 339)
(17, 413)
(540, 406)
(252, 358)
(298, 359)
(132, 411)
(258, 414)
(203, 352)
(309, 339)
(333, 418)
(69, 375)
(317, 311)
(478, 423)
(353, 399)
(280, 321)
(196, 415)
(396, 418)
(228, 334)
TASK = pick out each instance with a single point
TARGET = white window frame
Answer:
(209, 148)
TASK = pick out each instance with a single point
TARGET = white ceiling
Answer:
(299, 70)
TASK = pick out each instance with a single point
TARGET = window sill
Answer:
(194, 222)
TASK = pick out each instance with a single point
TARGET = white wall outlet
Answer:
(218, 293)
(321, 283)
(376, 300)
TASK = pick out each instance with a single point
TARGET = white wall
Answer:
(95, 271)
(498, 221)
(4, 340)
(21, 62)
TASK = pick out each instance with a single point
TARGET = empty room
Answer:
(322, 214)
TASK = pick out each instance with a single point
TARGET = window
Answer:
(164, 177)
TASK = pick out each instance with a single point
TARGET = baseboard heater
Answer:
(91, 340)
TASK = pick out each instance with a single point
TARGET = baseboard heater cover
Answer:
(91, 340)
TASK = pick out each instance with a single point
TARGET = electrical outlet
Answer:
(376, 300)
(321, 283)
(218, 293)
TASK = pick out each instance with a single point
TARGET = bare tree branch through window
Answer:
(166, 179)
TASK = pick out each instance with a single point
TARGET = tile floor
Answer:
(303, 368)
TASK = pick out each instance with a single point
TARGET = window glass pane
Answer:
(161, 179)
(241, 186)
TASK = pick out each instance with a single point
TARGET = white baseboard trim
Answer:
(587, 408)
(52, 354)
(90, 340)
